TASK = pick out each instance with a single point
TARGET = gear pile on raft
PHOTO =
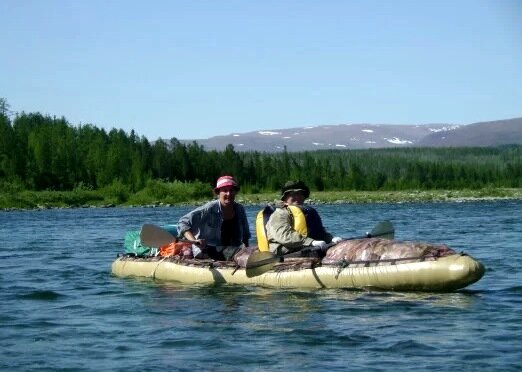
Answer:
(357, 263)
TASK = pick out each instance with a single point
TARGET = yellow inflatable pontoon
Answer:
(435, 274)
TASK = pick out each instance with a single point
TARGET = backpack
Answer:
(133, 246)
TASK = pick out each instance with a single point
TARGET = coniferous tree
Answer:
(41, 152)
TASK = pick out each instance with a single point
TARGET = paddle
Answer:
(261, 262)
(156, 237)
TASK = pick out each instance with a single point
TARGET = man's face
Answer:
(294, 198)
(227, 195)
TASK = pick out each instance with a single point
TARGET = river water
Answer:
(61, 309)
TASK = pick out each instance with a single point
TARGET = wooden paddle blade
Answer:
(256, 271)
(154, 236)
(260, 262)
(383, 229)
(260, 258)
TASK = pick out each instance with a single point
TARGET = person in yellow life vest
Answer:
(294, 227)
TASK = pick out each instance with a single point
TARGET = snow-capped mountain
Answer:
(490, 133)
(362, 136)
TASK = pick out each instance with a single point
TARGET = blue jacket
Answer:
(205, 223)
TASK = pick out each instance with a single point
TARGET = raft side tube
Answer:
(444, 274)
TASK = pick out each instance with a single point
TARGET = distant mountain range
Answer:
(364, 136)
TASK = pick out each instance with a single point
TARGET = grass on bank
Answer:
(179, 193)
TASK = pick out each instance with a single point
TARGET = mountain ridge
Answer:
(365, 136)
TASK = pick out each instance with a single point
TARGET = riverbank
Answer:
(32, 200)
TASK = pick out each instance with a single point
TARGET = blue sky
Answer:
(196, 69)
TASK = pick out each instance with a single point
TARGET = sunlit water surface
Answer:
(61, 309)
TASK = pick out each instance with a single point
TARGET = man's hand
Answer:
(201, 243)
(337, 239)
(320, 244)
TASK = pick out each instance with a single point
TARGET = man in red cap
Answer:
(220, 227)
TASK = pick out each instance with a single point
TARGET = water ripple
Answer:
(57, 295)
(40, 296)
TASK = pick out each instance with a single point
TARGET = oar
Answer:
(261, 262)
(156, 237)
(383, 229)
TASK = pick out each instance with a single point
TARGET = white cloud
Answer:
(367, 130)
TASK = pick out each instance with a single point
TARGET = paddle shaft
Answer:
(383, 228)
(367, 236)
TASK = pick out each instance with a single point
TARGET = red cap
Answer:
(225, 181)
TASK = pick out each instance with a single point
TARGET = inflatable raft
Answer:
(360, 264)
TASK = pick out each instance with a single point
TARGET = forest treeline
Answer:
(40, 152)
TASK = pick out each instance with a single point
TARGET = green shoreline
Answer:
(31, 200)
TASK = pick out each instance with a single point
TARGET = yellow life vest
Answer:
(263, 216)
(261, 220)
(299, 220)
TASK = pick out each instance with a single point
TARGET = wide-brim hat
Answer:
(225, 181)
(295, 186)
